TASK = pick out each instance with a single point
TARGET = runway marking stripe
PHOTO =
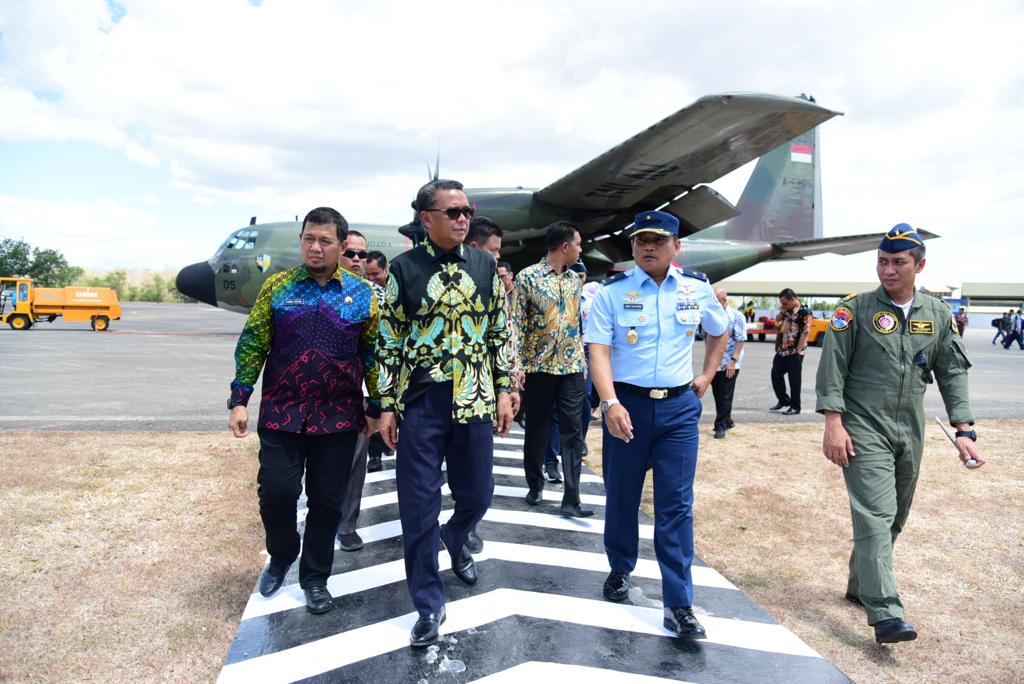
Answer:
(345, 648)
(383, 475)
(389, 498)
(292, 596)
(536, 671)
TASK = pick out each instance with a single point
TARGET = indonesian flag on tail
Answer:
(800, 152)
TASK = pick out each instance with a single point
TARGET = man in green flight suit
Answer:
(881, 351)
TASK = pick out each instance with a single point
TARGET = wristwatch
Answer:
(607, 404)
(970, 434)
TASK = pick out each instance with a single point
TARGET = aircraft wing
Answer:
(851, 244)
(698, 144)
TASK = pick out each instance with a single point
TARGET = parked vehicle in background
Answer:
(22, 305)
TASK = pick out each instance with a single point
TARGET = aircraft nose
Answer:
(198, 282)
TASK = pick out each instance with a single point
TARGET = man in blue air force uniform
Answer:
(641, 329)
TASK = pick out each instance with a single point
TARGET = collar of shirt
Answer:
(640, 276)
(549, 270)
(458, 253)
(338, 274)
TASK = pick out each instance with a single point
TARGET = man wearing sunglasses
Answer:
(444, 366)
(353, 258)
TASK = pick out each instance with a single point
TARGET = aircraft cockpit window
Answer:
(250, 243)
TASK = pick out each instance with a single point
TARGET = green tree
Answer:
(50, 269)
(15, 257)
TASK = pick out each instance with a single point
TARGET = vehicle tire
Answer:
(19, 322)
(100, 323)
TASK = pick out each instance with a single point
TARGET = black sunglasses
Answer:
(453, 212)
(352, 253)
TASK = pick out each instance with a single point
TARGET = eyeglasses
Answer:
(453, 212)
(352, 253)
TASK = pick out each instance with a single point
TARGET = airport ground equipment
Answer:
(22, 305)
(766, 326)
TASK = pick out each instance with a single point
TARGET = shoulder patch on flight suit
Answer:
(922, 327)
(885, 322)
(952, 321)
(695, 274)
(841, 319)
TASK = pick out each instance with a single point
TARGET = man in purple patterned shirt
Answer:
(315, 327)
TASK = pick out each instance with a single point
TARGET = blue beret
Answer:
(578, 267)
(901, 238)
(657, 222)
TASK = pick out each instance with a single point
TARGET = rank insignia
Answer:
(885, 322)
(849, 297)
(632, 337)
(952, 322)
(841, 319)
(922, 328)
(689, 333)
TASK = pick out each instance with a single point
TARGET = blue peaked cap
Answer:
(901, 238)
(657, 222)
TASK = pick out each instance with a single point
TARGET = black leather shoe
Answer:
(318, 600)
(855, 600)
(551, 473)
(616, 587)
(350, 542)
(374, 464)
(680, 620)
(424, 632)
(894, 629)
(474, 544)
(533, 497)
(272, 579)
(730, 425)
(778, 406)
(719, 433)
(574, 511)
(463, 566)
(791, 412)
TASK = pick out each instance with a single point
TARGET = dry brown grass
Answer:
(772, 515)
(130, 556)
(126, 556)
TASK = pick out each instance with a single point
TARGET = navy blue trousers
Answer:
(427, 438)
(665, 438)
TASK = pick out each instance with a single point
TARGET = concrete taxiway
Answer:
(168, 366)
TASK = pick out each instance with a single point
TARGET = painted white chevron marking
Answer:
(535, 671)
(291, 596)
(339, 650)
(389, 474)
(388, 498)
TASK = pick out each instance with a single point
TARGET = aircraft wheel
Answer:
(100, 323)
(19, 322)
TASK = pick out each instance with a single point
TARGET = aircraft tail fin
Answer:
(782, 199)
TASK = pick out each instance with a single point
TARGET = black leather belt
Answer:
(652, 392)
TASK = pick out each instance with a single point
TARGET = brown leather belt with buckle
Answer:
(652, 392)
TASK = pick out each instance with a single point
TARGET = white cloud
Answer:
(273, 109)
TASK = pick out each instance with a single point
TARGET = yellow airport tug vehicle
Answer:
(22, 305)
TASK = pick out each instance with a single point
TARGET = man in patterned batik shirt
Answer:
(315, 326)
(444, 370)
(551, 353)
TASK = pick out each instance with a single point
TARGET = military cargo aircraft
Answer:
(665, 166)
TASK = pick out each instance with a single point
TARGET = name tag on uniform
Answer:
(922, 327)
(633, 306)
(293, 302)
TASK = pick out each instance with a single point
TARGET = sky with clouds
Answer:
(139, 133)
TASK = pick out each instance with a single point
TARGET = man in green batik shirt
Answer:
(881, 352)
(444, 373)
(547, 320)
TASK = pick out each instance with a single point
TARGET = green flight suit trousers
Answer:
(880, 480)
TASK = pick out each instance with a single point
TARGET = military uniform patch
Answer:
(885, 322)
(841, 319)
(922, 328)
(952, 322)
